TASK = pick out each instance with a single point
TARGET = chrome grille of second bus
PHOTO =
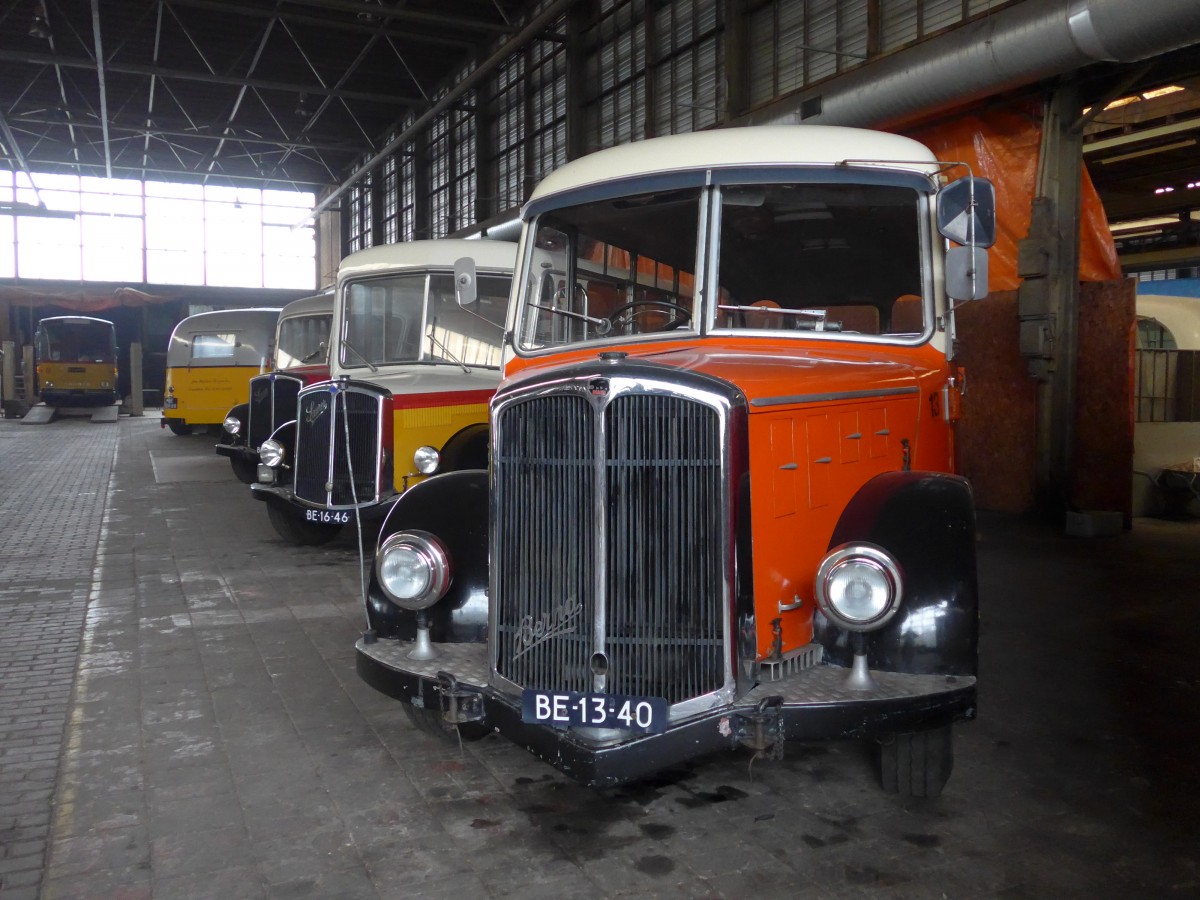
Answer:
(337, 436)
(272, 402)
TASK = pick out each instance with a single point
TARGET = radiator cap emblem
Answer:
(613, 355)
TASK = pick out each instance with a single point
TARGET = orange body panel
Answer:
(824, 418)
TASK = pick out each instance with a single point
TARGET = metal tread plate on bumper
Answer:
(813, 709)
(818, 685)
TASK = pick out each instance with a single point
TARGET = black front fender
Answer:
(466, 450)
(454, 508)
(926, 520)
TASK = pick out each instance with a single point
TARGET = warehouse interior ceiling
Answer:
(297, 93)
(1142, 150)
(288, 92)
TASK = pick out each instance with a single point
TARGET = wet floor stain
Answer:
(654, 865)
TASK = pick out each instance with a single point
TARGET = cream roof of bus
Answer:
(73, 319)
(256, 325)
(441, 254)
(309, 306)
(254, 316)
(744, 146)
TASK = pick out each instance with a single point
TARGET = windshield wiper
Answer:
(446, 350)
(350, 347)
(320, 349)
(603, 326)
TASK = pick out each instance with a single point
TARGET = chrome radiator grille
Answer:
(328, 419)
(638, 576)
(272, 402)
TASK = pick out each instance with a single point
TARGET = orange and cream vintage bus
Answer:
(301, 358)
(210, 360)
(412, 369)
(721, 508)
(76, 361)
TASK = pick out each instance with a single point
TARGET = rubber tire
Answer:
(296, 531)
(246, 471)
(179, 427)
(917, 764)
(430, 722)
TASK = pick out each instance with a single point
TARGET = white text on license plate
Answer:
(327, 517)
(566, 708)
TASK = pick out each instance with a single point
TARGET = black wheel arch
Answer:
(468, 449)
(454, 508)
(926, 520)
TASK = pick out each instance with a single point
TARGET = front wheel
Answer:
(295, 530)
(917, 764)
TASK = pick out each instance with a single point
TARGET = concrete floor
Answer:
(180, 718)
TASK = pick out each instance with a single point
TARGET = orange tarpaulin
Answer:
(1003, 145)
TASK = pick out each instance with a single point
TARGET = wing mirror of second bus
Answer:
(464, 281)
(966, 215)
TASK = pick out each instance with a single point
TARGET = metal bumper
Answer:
(812, 704)
(237, 451)
(283, 495)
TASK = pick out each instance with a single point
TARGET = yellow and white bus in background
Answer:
(76, 361)
(210, 360)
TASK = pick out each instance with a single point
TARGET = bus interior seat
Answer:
(907, 315)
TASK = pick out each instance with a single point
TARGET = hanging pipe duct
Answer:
(1015, 47)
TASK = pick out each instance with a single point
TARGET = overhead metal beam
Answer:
(14, 148)
(400, 14)
(103, 89)
(244, 137)
(329, 22)
(42, 164)
(48, 59)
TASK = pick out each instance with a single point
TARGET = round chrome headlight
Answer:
(859, 586)
(232, 425)
(413, 568)
(427, 460)
(271, 453)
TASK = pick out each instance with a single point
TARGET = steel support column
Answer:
(1048, 299)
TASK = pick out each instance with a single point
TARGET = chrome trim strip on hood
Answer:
(833, 395)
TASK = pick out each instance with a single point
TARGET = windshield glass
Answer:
(76, 342)
(415, 318)
(821, 257)
(795, 257)
(302, 340)
(633, 260)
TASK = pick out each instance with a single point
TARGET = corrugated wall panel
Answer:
(791, 44)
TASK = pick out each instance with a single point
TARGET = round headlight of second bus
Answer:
(271, 453)
(413, 568)
(232, 425)
(427, 460)
(859, 586)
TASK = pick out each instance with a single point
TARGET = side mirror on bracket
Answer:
(966, 273)
(464, 281)
(966, 212)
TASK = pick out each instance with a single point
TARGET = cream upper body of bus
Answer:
(211, 358)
